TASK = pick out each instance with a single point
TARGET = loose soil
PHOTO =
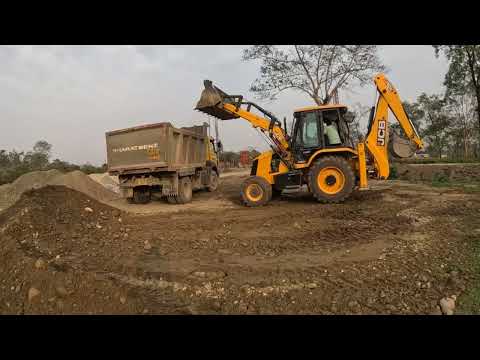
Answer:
(395, 249)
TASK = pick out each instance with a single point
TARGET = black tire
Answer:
(213, 181)
(331, 179)
(184, 190)
(141, 195)
(256, 191)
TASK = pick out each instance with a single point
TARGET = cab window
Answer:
(309, 130)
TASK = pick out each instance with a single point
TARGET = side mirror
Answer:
(349, 117)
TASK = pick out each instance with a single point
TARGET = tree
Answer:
(359, 125)
(463, 75)
(42, 147)
(437, 122)
(462, 131)
(317, 70)
(38, 159)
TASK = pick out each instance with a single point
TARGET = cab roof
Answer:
(321, 107)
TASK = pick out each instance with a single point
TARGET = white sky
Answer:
(71, 95)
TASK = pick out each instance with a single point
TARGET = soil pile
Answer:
(58, 248)
(110, 182)
(76, 180)
(429, 172)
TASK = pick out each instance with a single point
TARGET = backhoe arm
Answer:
(378, 136)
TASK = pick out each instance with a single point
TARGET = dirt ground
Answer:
(395, 249)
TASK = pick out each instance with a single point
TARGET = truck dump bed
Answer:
(156, 147)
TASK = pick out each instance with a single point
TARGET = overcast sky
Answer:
(71, 95)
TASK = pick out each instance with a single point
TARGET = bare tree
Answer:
(317, 70)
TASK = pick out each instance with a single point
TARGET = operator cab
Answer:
(319, 127)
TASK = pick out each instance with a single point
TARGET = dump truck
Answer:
(160, 160)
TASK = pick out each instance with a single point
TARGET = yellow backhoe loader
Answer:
(331, 166)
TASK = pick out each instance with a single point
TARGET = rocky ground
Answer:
(398, 248)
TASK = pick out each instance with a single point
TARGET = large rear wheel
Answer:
(256, 191)
(331, 179)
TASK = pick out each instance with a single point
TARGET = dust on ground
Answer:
(395, 249)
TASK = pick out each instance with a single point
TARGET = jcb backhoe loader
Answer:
(306, 156)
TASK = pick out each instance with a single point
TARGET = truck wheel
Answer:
(184, 190)
(256, 191)
(141, 195)
(331, 179)
(213, 181)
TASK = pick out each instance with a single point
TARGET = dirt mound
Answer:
(76, 180)
(110, 182)
(56, 256)
(429, 172)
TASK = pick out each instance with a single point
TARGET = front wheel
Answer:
(331, 179)
(256, 191)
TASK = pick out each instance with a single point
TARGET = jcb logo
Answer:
(381, 133)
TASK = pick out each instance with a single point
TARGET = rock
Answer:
(17, 289)
(116, 213)
(123, 300)
(40, 264)
(296, 225)
(353, 304)
(224, 251)
(200, 274)
(87, 209)
(454, 273)
(311, 286)
(447, 305)
(382, 257)
(61, 291)
(33, 293)
(147, 245)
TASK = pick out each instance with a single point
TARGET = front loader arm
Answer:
(217, 103)
(378, 137)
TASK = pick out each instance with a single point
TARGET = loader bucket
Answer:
(400, 147)
(211, 101)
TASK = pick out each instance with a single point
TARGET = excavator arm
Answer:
(217, 103)
(377, 140)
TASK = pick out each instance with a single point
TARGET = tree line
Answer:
(14, 164)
